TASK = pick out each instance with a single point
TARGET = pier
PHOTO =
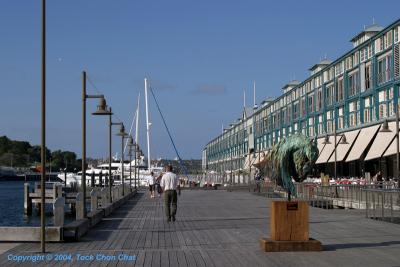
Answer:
(221, 228)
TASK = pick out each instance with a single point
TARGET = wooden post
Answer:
(58, 211)
(27, 200)
(289, 228)
(78, 206)
(93, 200)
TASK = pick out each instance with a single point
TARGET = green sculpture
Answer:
(293, 157)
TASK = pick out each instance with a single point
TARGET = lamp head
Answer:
(130, 142)
(326, 140)
(102, 108)
(344, 140)
(385, 127)
(122, 132)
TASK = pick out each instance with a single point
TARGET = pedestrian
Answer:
(169, 184)
(151, 181)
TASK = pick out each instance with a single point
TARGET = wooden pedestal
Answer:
(289, 228)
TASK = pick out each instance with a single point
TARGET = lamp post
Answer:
(342, 142)
(123, 134)
(101, 110)
(385, 129)
(43, 131)
(131, 145)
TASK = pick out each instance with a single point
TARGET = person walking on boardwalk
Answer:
(169, 184)
(151, 181)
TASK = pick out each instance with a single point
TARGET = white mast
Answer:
(254, 92)
(244, 98)
(147, 125)
(137, 125)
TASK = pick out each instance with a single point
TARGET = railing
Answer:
(383, 204)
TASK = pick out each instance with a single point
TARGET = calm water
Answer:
(12, 206)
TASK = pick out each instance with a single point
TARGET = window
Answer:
(329, 94)
(353, 83)
(310, 103)
(339, 90)
(368, 77)
(384, 65)
(319, 100)
(396, 34)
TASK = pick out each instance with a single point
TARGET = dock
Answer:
(220, 228)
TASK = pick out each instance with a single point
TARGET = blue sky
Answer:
(198, 55)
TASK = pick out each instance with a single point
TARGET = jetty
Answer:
(219, 228)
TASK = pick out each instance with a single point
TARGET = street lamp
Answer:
(342, 142)
(123, 134)
(101, 110)
(385, 129)
(131, 145)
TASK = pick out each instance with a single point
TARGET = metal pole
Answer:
(122, 165)
(334, 146)
(147, 126)
(109, 156)
(136, 165)
(397, 146)
(83, 178)
(130, 169)
(43, 147)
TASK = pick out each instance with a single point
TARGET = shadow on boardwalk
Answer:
(219, 228)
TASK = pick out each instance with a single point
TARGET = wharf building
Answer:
(351, 96)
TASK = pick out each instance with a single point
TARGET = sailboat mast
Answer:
(147, 125)
(137, 120)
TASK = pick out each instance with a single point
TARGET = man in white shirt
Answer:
(151, 182)
(169, 183)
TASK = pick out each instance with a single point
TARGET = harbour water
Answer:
(12, 206)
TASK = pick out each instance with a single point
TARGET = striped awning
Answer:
(381, 142)
(365, 137)
(343, 149)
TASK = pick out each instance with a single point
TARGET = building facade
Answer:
(358, 90)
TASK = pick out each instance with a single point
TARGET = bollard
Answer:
(93, 200)
(54, 192)
(79, 206)
(59, 190)
(103, 196)
(58, 211)
(27, 200)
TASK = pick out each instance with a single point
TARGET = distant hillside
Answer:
(193, 165)
(22, 154)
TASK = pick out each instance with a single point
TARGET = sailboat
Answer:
(128, 168)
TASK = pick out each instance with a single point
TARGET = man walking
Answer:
(151, 181)
(169, 183)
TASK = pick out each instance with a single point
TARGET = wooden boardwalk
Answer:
(219, 228)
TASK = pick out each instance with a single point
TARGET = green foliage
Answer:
(22, 154)
(293, 157)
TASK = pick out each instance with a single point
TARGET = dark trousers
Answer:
(170, 197)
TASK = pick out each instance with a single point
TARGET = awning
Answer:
(261, 160)
(343, 149)
(320, 144)
(361, 143)
(327, 151)
(381, 142)
(391, 149)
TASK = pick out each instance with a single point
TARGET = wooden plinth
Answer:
(289, 221)
(289, 228)
(269, 245)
